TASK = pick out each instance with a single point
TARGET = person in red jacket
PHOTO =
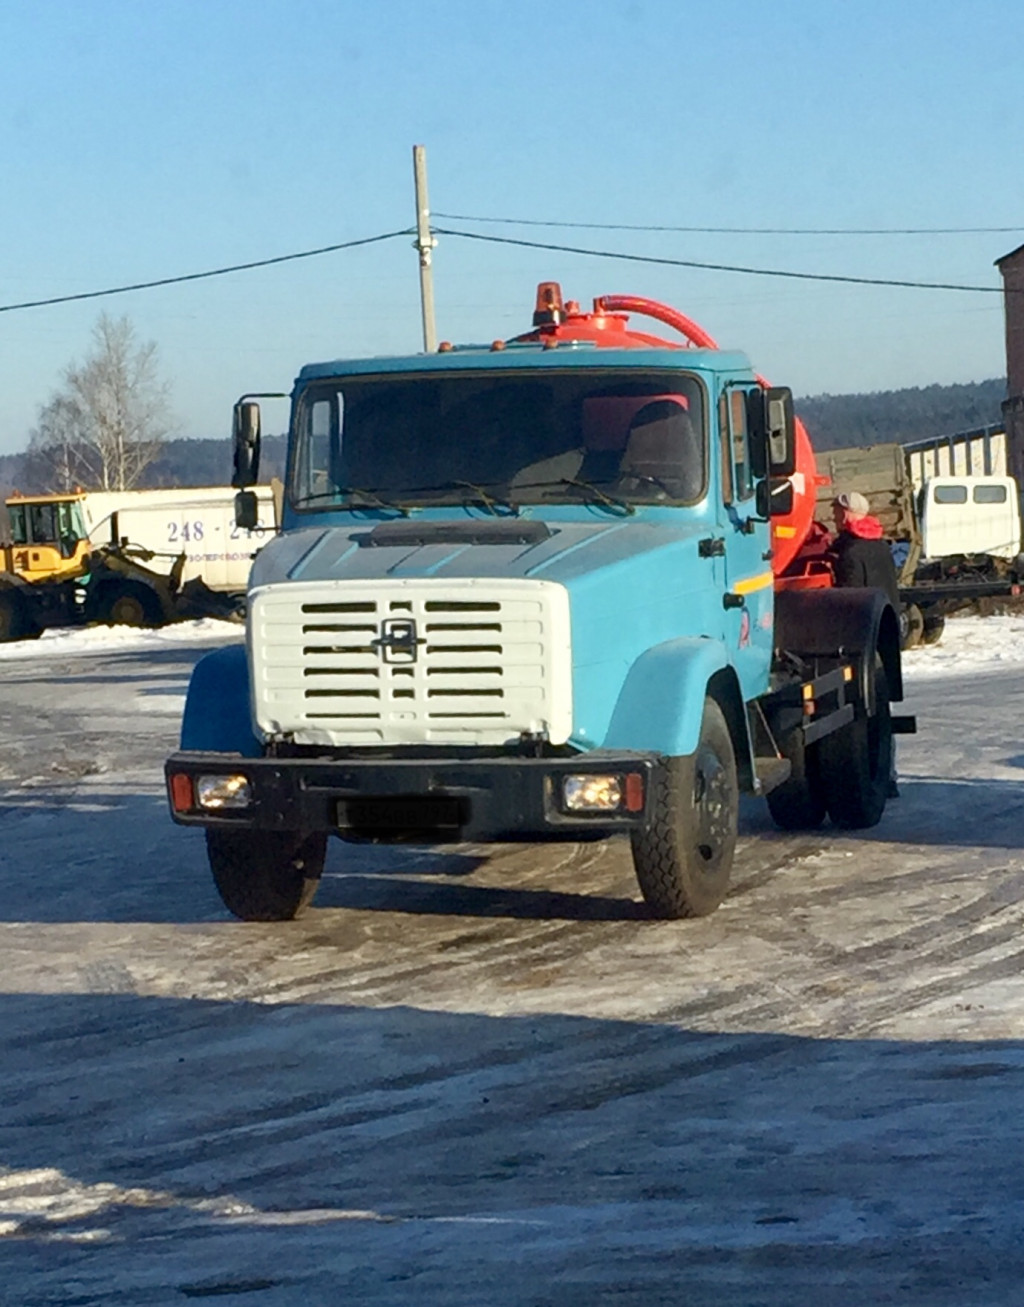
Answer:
(861, 556)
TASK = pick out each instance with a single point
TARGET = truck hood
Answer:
(633, 583)
(561, 551)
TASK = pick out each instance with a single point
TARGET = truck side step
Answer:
(904, 725)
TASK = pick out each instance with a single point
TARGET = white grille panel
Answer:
(405, 662)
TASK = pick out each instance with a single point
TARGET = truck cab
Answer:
(49, 539)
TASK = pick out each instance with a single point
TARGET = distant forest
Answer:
(901, 416)
(833, 421)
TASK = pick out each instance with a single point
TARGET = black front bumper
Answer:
(441, 799)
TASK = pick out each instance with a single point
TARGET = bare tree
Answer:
(106, 423)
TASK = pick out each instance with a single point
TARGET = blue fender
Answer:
(662, 699)
(217, 718)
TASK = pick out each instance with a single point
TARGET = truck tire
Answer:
(266, 875)
(128, 604)
(14, 622)
(911, 627)
(684, 857)
(856, 763)
(933, 628)
(799, 802)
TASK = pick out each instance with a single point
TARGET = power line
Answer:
(739, 231)
(506, 240)
(201, 276)
(719, 267)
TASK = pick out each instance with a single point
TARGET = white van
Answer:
(970, 515)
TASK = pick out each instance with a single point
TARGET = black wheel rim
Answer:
(712, 804)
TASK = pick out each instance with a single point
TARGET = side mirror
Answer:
(781, 431)
(774, 497)
(247, 510)
(245, 432)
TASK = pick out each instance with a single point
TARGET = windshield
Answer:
(618, 436)
(47, 524)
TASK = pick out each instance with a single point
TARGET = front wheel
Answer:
(684, 857)
(266, 875)
(15, 622)
(912, 626)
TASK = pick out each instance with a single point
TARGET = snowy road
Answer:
(481, 1076)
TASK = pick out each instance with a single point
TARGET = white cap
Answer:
(854, 502)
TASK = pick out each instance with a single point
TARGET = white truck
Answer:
(198, 522)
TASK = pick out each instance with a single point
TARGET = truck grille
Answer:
(405, 662)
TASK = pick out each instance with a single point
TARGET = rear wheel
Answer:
(856, 763)
(799, 802)
(684, 858)
(266, 875)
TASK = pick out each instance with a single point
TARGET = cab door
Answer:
(749, 581)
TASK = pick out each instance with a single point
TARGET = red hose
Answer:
(653, 309)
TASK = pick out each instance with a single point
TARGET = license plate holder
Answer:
(389, 814)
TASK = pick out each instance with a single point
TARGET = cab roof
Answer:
(529, 357)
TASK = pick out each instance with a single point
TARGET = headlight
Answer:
(592, 793)
(223, 791)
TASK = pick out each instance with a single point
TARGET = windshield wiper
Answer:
(373, 500)
(614, 505)
(494, 504)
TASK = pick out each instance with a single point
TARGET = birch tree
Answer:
(104, 425)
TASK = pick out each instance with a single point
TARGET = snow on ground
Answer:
(122, 639)
(480, 1074)
(969, 644)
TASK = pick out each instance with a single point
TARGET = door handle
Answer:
(712, 547)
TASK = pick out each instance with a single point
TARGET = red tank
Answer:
(555, 321)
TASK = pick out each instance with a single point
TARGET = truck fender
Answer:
(217, 715)
(842, 623)
(660, 706)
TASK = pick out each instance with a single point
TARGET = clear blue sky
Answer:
(149, 139)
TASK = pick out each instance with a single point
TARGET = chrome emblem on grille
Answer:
(398, 642)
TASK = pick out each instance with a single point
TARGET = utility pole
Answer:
(425, 244)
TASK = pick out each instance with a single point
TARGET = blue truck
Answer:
(546, 588)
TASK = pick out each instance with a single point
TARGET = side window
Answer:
(740, 444)
(737, 482)
(19, 525)
(66, 524)
(724, 452)
(314, 477)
